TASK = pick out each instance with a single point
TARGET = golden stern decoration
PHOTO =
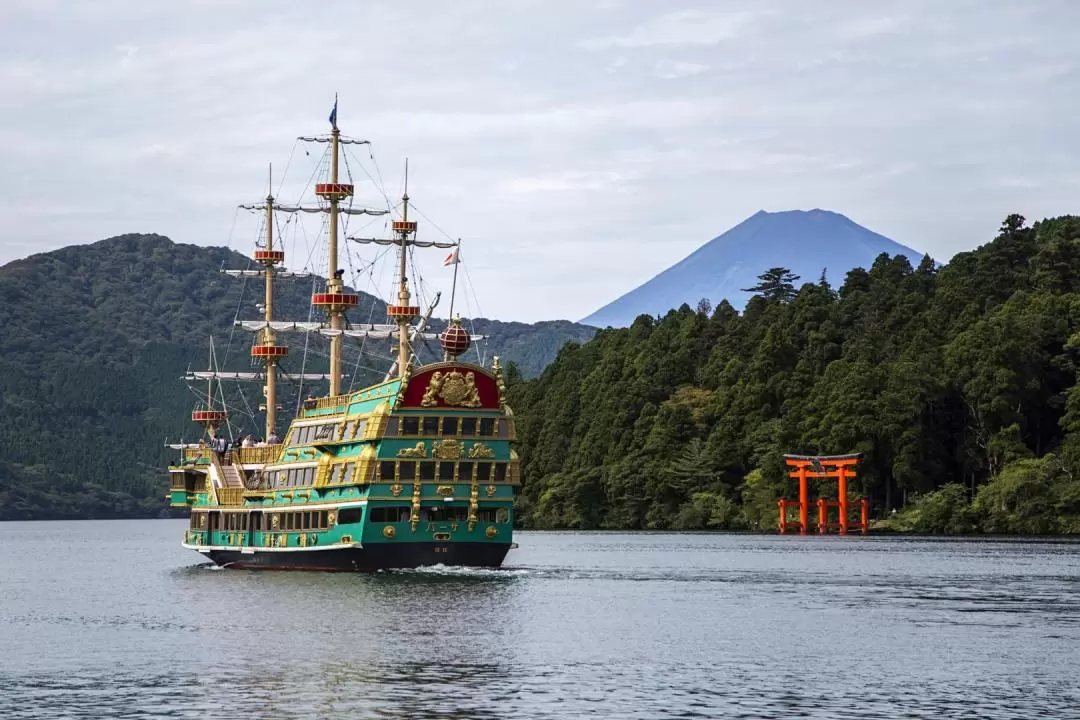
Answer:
(414, 452)
(449, 449)
(458, 389)
(480, 450)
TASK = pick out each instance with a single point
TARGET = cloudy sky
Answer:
(578, 148)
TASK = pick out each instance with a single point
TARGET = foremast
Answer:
(266, 348)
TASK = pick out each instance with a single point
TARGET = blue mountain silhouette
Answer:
(804, 241)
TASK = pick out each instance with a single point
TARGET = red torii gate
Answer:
(814, 466)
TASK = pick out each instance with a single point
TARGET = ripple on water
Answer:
(119, 622)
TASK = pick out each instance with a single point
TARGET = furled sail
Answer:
(316, 209)
(278, 325)
(251, 376)
(417, 243)
(262, 273)
(373, 334)
(341, 140)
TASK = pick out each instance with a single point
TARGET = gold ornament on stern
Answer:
(419, 451)
(480, 450)
(449, 449)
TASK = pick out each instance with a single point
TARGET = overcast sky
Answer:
(578, 148)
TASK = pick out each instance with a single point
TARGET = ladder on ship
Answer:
(227, 478)
(231, 475)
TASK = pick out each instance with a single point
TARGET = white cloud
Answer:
(681, 28)
(587, 144)
(673, 70)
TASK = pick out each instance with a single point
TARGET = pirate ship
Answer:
(415, 470)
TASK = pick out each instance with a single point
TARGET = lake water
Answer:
(114, 620)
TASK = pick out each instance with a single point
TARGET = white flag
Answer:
(453, 258)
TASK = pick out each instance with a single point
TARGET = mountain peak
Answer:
(805, 241)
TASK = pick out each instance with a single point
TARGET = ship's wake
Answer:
(441, 570)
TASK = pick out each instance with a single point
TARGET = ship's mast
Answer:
(335, 301)
(404, 312)
(266, 350)
(333, 283)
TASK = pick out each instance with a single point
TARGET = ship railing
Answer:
(259, 455)
(336, 403)
(192, 454)
(230, 496)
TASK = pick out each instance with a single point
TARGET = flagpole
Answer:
(453, 286)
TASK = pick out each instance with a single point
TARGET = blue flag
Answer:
(333, 115)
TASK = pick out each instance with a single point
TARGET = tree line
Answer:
(958, 383)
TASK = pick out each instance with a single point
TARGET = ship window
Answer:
(447, 514)
(309, 476)
(349, 516)
(325, 432)
(350, 430)
(500, 472)
(468, 427)
(386, 470)
(446, 471)
(396, 513)
(483, 472)
(487, 427)
(465, 471)
(504, 428)
(407, 471)
(322, 520)
(392, 427)
(431, 425)
(361, 426)
(486, 515)
(346, 475)
(427, 471)
(449, 426)
(410, 426)
(335, 473)
(195, 519)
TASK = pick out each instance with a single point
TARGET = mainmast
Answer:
(266, 349)
(404, 312)
(335, 301)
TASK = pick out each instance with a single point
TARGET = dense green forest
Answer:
(957, 382)
(95, 340)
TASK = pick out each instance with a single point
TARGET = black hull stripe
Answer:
(383, 556)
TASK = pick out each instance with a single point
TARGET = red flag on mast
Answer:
(453, 258)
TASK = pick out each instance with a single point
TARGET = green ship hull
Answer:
(416, 471)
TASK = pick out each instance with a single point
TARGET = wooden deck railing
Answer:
(258, 455)
(230, 496)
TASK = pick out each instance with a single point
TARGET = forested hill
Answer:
(94, 339)
(959, 383)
